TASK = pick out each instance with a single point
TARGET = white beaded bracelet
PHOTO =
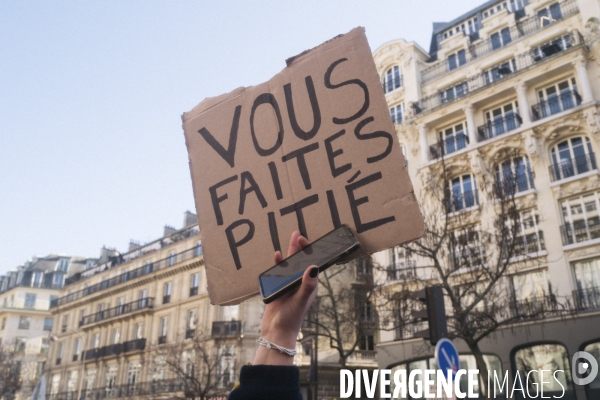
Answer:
(264, 342)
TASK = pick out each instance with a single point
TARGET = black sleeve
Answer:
(268, 382)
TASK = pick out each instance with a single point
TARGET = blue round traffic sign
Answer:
(446, 356)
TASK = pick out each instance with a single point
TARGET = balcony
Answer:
(462, 201)
(223, 329)
(587, 299)
(498, 126)
(524, 27)
(189, 333)
(534, 308)
(147, 269)
(115, 349)
(162, 339)
(553, 105)
(128, 308)
(581, 231)
(193, 291)
(523, 61)
(72, 395)
(448, 146)
(568, 167)
(511, 185)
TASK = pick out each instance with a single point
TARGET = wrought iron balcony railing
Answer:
(556, 104)
(511, 185)
(568, 167)
(226, 328)
(115, 349)
(149, 268)
(581, 231)
(118, 310)
(534, 308)
(587, 299)
(449, 145)
(525, 244)
(523, 27)
(498, 126)
(553, 48)
(157, 387)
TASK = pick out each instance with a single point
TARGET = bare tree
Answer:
(10, 371)
(470, 246)
(343, 314)
(196, 364)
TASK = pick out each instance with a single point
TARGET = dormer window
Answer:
(62, 265)
(392, 79)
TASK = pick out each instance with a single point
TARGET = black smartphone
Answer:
(323, 253)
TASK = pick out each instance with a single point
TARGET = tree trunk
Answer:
(482, 367)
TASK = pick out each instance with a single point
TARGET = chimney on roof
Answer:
(189, 219)
(106, 253)
(134, 245)
(169, 230)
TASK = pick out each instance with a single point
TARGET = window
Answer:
(62, 265)
(190, 324)
(133, 374)
(501, 38)
(45, 346)
(530, 294)
(143, 298)
(513, 176)
(466, 248)
(3, 325)
(30, 300)
(396, 113)
(24, 322)
(48, 324)
(139, 331)
(61, 351)
(454, 92)
(367, 342)
(172, 258)
(37, 279)
(463, 193)
(89, 264)
(65, 323)
(572, 157)
(226, 367)
(96, 341)
(53, 300)
(581, 218)
(587, 278)
(120, 303)
(453, 138)
(549, 14)
(556, 98)
(529, 239)
(500, 120)
(116, 336)
(198, 249)
(57, 281)
(554, 361)
(500, 71)
(162, 333)
(194, 283)
(167, 292)
(110, 380)
(392, 79)
(39, 369)
(457, 59)
(400, 264)
(147, 267)
(20, 344)
(77, 349)
(230, 313)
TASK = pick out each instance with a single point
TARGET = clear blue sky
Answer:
(91, 95)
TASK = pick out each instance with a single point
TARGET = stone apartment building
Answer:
(25, 318)
(520, 75)
(118, 321)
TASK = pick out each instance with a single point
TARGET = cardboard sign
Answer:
(312, 148)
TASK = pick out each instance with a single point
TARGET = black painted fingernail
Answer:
(313, 272)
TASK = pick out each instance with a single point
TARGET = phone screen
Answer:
(318, 253)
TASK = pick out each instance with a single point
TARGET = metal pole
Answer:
(316, 397)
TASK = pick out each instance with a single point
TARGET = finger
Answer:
(293, 247)
(307, 291)
(278, 257)
(302, 242)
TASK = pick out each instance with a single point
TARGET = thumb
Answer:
(309, 285)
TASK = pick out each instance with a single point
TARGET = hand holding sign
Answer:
(309, 150)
